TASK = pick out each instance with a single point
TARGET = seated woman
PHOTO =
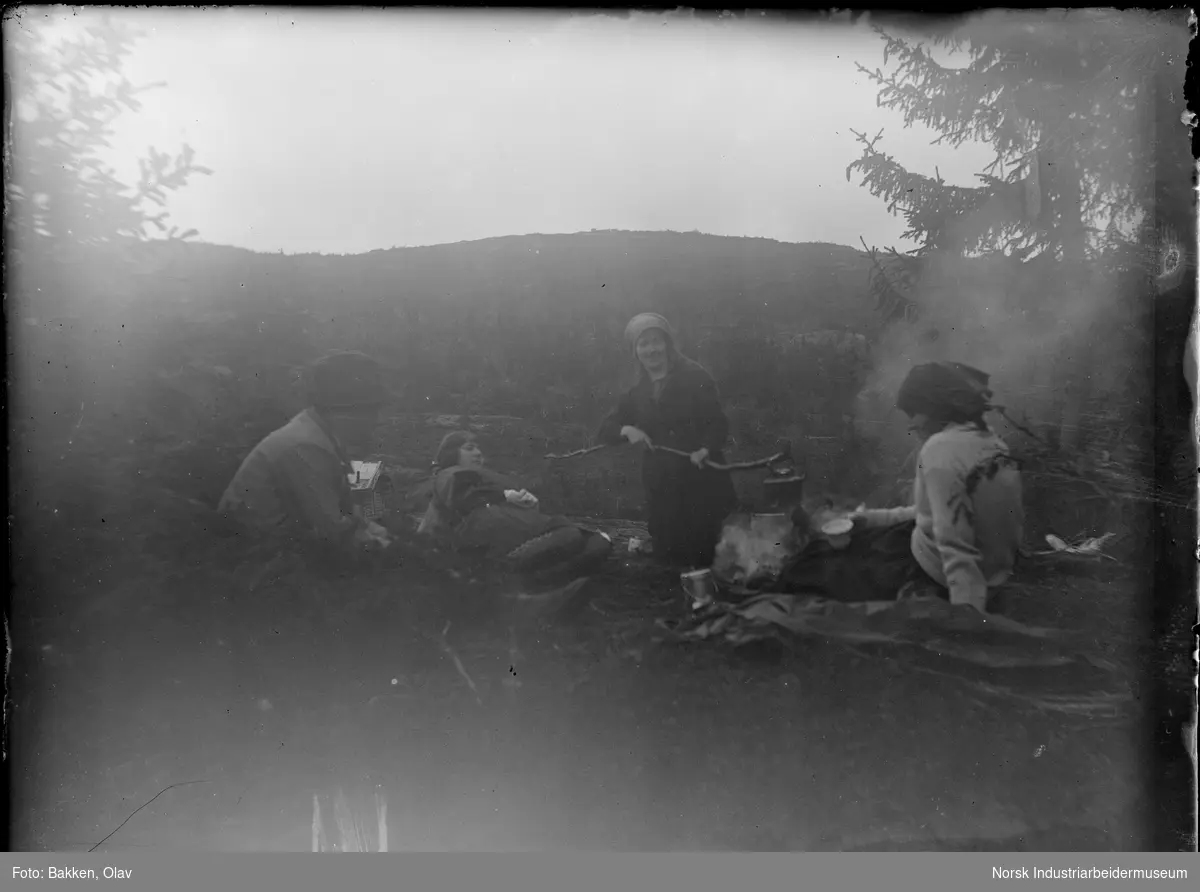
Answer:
(479, 511)
(961, 536)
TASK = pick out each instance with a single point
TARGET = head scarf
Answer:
(447, 454)
(949, 392)
(637, 327)
(644, 322)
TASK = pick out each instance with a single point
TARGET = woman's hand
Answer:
(636, 435)
(700, 456)
(859, 518)
(521, 497)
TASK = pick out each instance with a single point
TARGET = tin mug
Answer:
(838, 531)
(699, 586)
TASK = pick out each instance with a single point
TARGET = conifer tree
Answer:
(1074, 104)
(65, 93)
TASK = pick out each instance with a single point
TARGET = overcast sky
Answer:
(347, 130)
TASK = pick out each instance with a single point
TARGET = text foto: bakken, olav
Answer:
(69, 873)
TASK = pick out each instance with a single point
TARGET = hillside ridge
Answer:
(516, 237)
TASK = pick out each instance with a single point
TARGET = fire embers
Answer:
(754, 549)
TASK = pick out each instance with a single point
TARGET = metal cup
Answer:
(699, 586)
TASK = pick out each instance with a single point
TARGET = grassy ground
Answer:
(586, 734)
(132, 674)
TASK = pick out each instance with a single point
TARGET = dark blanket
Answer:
(875, 566)
(1047, 668)
(850, 596)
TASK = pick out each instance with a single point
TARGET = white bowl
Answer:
(838, 527)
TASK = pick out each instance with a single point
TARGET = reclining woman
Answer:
(960, 538)
(481, 512)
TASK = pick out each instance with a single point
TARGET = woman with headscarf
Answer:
(674, 403)
(962, 534)
(480, 511)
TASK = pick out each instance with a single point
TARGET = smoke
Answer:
(755, 548)
(1026, 325)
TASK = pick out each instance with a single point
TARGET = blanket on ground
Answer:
(1046, 667)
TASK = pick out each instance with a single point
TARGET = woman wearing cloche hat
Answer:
(674, 403)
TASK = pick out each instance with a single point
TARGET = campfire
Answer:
(754, 549)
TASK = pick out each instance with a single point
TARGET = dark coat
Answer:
(469, 506)
(687, 506)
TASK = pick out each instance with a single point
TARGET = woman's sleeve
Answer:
(876, 518)
(609, 433)
(712, 420)
(458, 490)
(474, 489)
(439, 510)
(431, 521)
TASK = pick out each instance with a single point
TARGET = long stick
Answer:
(716, 466)
(731, 466)
(576, 453)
